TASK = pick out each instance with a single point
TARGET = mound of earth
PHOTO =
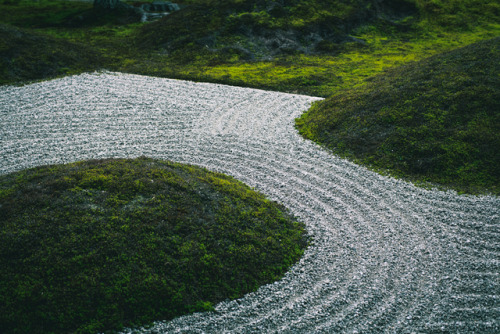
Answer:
(264, 29)
(435, 120)
(98, 245)
(27, 55)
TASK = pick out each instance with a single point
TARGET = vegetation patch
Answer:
(435, 120)
(27, 55)
(260, 30)
(311, 47)
(98, 245)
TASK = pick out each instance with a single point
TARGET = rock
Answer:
(160, 6)
(157, 9)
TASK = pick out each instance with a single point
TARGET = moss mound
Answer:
(436, 120)
(458, 14)
(264, 29)
(28, 55)
(101, 244)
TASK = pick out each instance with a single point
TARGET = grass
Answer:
(98, 245)
(435, 120)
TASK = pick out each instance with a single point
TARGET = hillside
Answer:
(28, 55)
(436, 120)
(312, 47)
(262, 30)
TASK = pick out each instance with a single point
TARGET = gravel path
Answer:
(386, 256)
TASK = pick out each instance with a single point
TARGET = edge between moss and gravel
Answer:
(435, 122)
(102, 244)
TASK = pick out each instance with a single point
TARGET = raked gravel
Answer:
(386, 256)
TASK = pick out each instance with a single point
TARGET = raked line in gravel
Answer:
(386, 256)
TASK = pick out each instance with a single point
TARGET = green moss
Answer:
(457, 14)
(206, 41)
(435, 120)
(98, 245)
(39, 13)
(27, 55)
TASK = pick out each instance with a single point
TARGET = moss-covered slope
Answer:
(264, 29)
(312, 47)
(458, 14)
(436, 120)
(97, 245)
(28, 55)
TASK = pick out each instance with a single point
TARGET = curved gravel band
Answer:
(386, 256)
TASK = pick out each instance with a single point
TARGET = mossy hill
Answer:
(27, 55)
(101, 244)
(256, 30)
(313, 47)
(436, 120)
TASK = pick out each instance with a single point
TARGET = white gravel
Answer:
(386, 256)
